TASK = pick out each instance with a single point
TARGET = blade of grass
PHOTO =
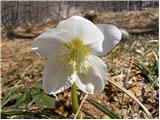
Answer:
(132, 96)
(151, 85)
(146, 72)
(10, 112)
(8, 97)
(103, 109)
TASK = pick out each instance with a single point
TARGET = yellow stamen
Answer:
(72, 56)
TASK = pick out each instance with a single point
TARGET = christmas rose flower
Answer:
(72, 50)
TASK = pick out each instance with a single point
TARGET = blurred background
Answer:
(20, 13)
(133, 63)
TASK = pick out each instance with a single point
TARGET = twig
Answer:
(132, 96)
(153, 41)
(86, 95)
(125, 82)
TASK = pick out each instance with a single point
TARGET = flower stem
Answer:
(74, 98)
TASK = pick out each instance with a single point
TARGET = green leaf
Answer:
(103, 109)
(145, 70)
(38, 84)
(35, 91)
(20, 99)
(42, 99)
(45, 101)
(23, 99)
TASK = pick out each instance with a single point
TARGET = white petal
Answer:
(94, 80)
(96, 48)
(82, 28)
(55, 79)
(47, 43)
(112, 35)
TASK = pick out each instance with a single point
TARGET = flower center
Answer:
(72, 55)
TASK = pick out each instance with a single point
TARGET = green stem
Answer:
(74, 98)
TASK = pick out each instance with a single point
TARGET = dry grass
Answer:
(21, 67)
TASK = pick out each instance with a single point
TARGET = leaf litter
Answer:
(22, 69)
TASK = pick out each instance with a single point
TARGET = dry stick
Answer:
(125, 82)
(86, 95)
(132, 96)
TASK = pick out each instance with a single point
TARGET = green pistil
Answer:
(73, 54)
(77, 51)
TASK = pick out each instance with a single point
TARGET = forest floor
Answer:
(133, 64)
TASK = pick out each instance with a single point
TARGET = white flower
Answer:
(112, 36)
(71, 50)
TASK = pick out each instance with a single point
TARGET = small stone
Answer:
(105, 117)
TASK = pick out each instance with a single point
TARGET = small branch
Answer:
(126, 81)
(86, 95)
